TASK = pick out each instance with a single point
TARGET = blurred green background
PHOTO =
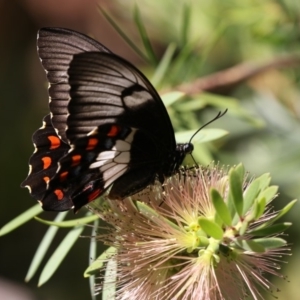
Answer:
(202, 37)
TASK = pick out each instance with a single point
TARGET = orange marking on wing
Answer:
(92, 143)
(114, 130)
(75, 160)
(63, 176)
(55, 141)
(47, 162)
(46, 179)
(59, 194)
(94, 195)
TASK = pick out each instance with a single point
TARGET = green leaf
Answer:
(205, 135)
(70, 223)
(163, 66)
(43, 247)
(171, 97)
(264, 181)
(281, 213)
(21, 219)
(110, 280)
(240, 171)
(244, 227)
(271, 230)
(59, 254)
(261, 205)
(144, 36)
(92, 257)
(250, 245)
(123, 35)
(285, 210)
(221, 207)
(250, 195)
(211, 228)
(269, 193)
(98, 263)
(270, 243)
(189, 105)
(235, 184)
(152, 214)
(185, 26)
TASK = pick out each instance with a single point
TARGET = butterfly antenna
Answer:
(218, 116)
(193, 159)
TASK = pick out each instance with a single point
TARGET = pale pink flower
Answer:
(175, 241)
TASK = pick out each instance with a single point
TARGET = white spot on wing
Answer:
(105, 155)
(120, 153)
(107, 166)
(93, 132)
(121, 146)
(122, 158)
(100, 163)
(130, 137)
(113, 173)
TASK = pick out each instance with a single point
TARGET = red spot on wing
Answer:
(46, 179)
(47, 162)
(59, 194)
(92, 143)
(63, 176)
(114, 130)
(75, 160)
(94, 195)
(54, 141)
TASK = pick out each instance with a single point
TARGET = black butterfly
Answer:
(107, 126)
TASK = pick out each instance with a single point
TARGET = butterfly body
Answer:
(107, 128)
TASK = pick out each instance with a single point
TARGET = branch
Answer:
(235, 75)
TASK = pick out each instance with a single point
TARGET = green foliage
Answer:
(200, 38)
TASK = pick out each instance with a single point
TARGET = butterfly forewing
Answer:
(56, 48)
(105, 88)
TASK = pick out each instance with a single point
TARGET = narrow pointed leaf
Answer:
(70, 223)
(285, 210)
(98, 263)
(211, 228)
(281, 213)
(21, 219)
(43, 247)
(186, 18)
(171, 97)
(250, 245)
(264, 181)
(144, 36)
(261, 205)
(92, 257)
(221, 207)
(59, 254)
(241, 171)
(269, 193)
(243, 228)
(250, 195)
(163, 66)
(206, 135)
(235, 183)
(110, 280)
(271, 243)
(123, 35)
(271, 230)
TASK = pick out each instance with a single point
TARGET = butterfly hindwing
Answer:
(49, 149)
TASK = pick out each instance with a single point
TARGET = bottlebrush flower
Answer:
(206, 233)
